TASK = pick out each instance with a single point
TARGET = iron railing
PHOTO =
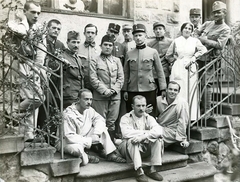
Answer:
(220, 85)
(11, 89)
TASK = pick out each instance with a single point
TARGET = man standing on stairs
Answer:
(213, 34)
(161, 43)
(141, 138)
(106, 78)
(89, 50)
(30, 94)
(138, 71)
(119, 50)
(84, 127)
(174, 116)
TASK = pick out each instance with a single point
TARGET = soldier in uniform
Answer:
(129, 44)
(119, 50)
(213, 34)
(128, 37)
(106, 78)
(73, 75)
(55, 47)
(195, 17)
(88, 50)
(161, 44)
(138, 70)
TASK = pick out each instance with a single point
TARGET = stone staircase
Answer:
(175, 167)
(178, 164)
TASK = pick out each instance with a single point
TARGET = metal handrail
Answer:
(216, 86)
(35, 67)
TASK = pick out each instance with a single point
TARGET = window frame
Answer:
(126, 13)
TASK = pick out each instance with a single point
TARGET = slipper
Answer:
(115, 158)
(93, 159)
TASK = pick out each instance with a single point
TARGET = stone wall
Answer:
(172, 13)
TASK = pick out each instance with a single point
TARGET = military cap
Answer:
(107, 38)
(73, 35)
(127, 27)
(139, 28)
(156, 24)
(218, 5)
(195, 11)
(114, 27)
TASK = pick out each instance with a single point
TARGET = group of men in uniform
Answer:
(123, 77)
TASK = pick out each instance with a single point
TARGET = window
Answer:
(105, 7)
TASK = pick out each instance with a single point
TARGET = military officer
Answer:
(213, 34)
(106, 78)
(128, 37)
(161, 44)
(138, 70)
(195, 17)
(73, 72)
(118, 49)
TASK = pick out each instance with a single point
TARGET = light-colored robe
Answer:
(173, 118)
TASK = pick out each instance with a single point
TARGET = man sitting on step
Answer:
(174, 116)
(84, 127)
(141, 138)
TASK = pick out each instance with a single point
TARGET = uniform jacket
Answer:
(128, 47)
(138, 70)
(119, 51)
(72, 75)
(53, 47)
(106, 73)
(162, 47)
(217, 35)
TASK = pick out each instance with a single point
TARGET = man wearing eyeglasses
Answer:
(73, 76)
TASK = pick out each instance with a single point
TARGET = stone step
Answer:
(11, 144)
(195, 172)
(107, 171)
(204, 133)
(66, 166)
(228, 109)
(218, 121)
(235, 98)
(36, 154)
(195, 146)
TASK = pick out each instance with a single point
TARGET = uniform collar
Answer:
(141, 46)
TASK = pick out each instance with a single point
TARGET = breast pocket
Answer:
(133, 64)
(147, 64)
(101, 69)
